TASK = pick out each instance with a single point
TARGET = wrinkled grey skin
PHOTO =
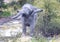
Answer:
(28, 15)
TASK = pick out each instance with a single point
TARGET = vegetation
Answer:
(48, 20)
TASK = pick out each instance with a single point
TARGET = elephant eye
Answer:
(24, 15)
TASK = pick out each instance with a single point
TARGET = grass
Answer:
(40, 39)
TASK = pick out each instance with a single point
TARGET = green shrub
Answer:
(5, 14)
(41, 39)
(4, 5)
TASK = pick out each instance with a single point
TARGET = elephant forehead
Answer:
(29, 6)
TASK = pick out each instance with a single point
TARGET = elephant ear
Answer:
(37, 10)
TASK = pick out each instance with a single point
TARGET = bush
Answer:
(53, 28)
(4, 5)
(5, 14)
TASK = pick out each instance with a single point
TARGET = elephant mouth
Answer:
(27, 24)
